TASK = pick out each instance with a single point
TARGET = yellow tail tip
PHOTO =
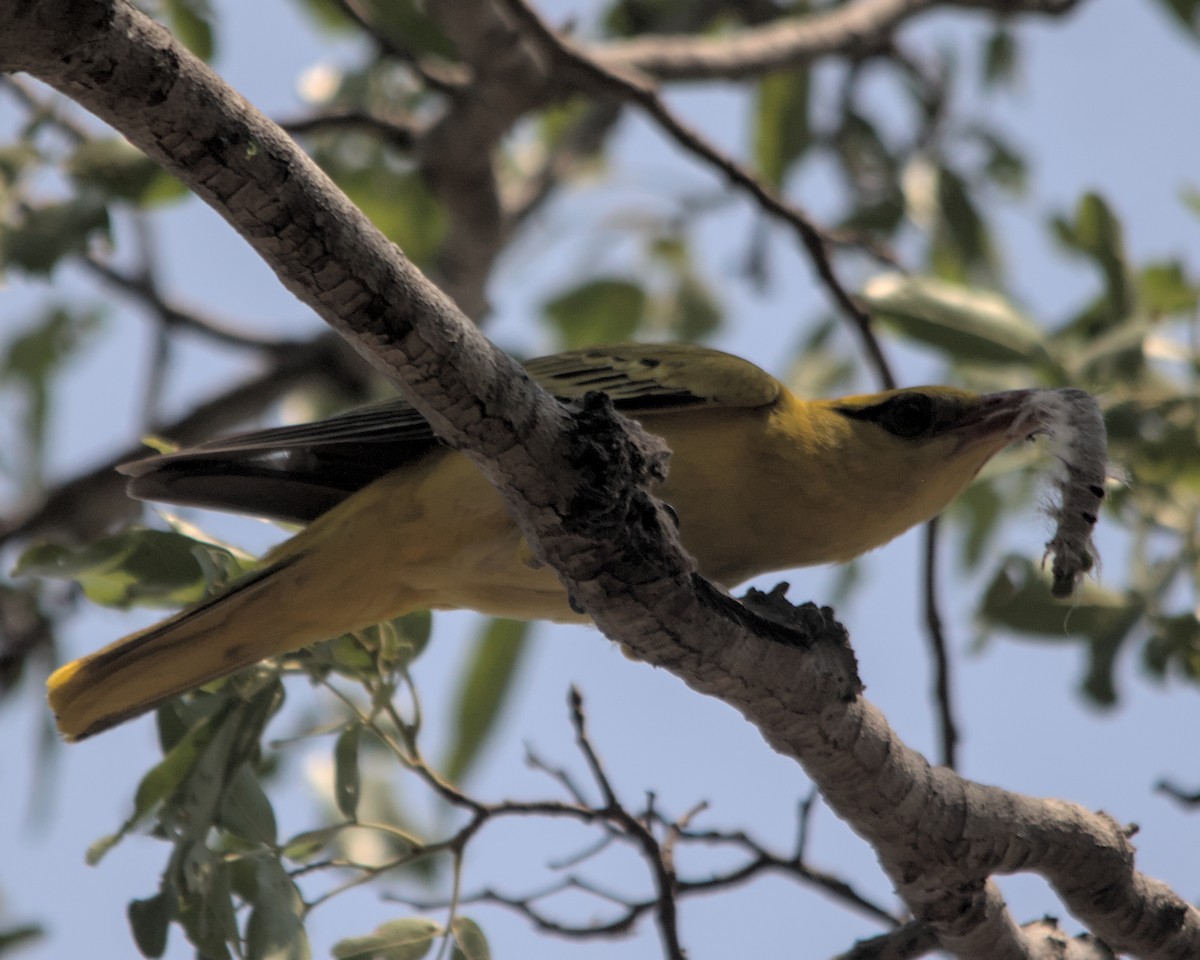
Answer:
(59, 693)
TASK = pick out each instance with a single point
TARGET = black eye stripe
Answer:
(907, 415)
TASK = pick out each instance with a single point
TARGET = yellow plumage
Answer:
(761, 480)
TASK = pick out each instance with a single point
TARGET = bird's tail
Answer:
(241, 626)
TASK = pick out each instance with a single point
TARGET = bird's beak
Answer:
(995, 420)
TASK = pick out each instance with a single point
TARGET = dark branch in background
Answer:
(655, 854)
(653, 835)
(144, 289)
(845, 31)
(456, 154)
(402, 136)
(943, 695)
(1189, 798)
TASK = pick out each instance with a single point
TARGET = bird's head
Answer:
(905, 454)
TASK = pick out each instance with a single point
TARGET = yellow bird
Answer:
(760, 480)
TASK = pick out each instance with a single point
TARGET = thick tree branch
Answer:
(573, 484)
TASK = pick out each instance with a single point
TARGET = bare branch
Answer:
(851, 30)
(1188, 798)
(943, 696)
(400, 135)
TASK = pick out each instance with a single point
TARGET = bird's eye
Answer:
(907, 415)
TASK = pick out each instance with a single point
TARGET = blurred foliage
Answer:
(902, 172)
(30, 365)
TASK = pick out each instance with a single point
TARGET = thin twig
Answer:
(943, 696)
(402, 136)
(665, 881)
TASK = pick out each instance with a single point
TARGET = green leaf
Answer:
(1174, 642)
(275, 930)
(45, 234)
(469, 941)
(328, 15)
(16, 159)
(1003, 165)
(407, 939)
(136, 566)
(245, 810)
(99, 848)
(965, 323)
(121, 171)
(191, 22)
(150, 920)
(1186, 13)
(413, 631)
(781, 125)
(162, 781)
(1163, 290)
(305, 846)
(695, 312)
(1096, 233)
(1191, 196)
(1019, 600)
(1000, 57)
(347, 780)
(206, 910)
(409, 23)
(169, 774)
(198, 798)
(1159, 439)
(960, 241)
(485, 688)
(31, 361)
(882, 216)
(598, 311)
(982, 507)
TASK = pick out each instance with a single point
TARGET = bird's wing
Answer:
(295, 473)
(641, 377)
